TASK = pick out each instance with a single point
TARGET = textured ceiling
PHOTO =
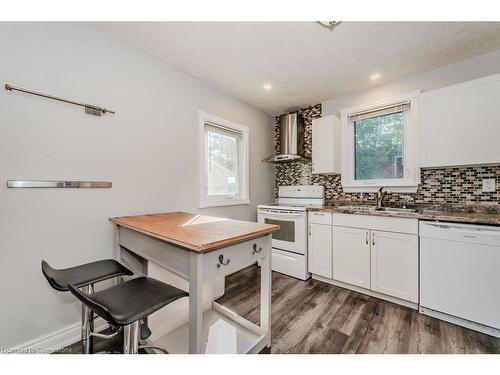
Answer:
(304, 63)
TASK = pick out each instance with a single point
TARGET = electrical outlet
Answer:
(488, 185)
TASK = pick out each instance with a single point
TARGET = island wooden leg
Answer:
(116, 244)
(195, 302)
(265, 291)
(117, 251)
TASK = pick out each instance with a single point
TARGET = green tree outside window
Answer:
(379, 147)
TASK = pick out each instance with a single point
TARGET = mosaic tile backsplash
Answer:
(457, 185)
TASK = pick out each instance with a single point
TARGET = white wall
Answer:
(148, 149)
(466, 70)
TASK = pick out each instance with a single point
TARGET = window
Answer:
(380, 146)
(224, 162)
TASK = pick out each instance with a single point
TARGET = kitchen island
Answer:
(199, 249)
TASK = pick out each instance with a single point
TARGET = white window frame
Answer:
(206, 201)
(411, 179)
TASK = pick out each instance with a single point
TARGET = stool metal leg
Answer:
(87, 324)
(131, 338)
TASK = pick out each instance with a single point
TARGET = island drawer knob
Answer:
(221, 261)
(255, 251)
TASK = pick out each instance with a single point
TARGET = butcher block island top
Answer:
(199, 233)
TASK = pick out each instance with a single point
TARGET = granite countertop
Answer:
(474, 214)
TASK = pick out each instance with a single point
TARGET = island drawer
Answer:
(230, 259)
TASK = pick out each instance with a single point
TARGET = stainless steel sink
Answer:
(382, 209)
(394, 209)
(357, 208)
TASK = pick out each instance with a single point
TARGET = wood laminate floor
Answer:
(315, 317)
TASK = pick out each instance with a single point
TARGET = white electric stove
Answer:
(290, 213)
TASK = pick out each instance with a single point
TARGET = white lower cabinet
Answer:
(320, 250)
(351, 256)
(394, 264)
(377, 257)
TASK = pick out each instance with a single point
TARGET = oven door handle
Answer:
(281, 214)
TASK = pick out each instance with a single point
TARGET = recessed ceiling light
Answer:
(375, 76)
(267, 86)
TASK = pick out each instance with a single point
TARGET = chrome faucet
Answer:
(380, 197)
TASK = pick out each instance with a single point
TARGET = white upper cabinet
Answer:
(460, 124)
(326, 145)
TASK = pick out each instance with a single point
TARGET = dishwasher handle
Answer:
(470, 228)
(461, 232)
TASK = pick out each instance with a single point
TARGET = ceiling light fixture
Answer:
(330, 25)
(267, 86)
(375, 76)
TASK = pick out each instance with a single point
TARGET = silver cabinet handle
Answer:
(221, 261)
(366, 238)
(309, 229)
(255, 251)
(373, 238)
(442, 226)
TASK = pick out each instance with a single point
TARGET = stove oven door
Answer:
(292, 235)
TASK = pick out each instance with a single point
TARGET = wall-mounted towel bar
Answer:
(58, 184)
(89, 108)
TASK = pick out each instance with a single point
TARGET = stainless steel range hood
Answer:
(291, 142)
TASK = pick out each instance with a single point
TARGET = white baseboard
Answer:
(55, 340)
(399, 301)
(495, 332)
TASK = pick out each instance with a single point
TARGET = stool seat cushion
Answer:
(130, 301)
(84, 274)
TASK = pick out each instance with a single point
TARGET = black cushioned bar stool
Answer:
(84, 276)
(124, 305)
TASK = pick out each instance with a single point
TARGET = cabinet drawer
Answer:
(290, 264)
(320, 217)
(230, 259)
(388, 224)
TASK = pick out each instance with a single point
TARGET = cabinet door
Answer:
(320, 250)
(449, 138)
(351, 256)
(394, 264)
(326, 145)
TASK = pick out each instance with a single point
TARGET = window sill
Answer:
(224, 202)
